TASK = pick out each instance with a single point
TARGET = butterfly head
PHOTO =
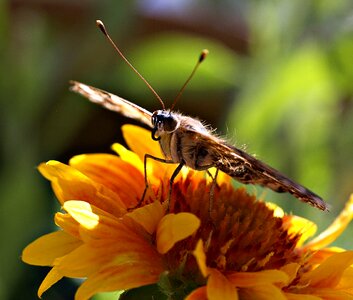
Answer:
(163, 121)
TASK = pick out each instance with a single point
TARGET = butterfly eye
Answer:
(157, 118)
(154, 120)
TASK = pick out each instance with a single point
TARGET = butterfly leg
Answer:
(213, 186)
(175, 173)
(145, 173)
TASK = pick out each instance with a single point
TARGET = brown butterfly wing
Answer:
(113, 102)
(249, 170)
(231, 160)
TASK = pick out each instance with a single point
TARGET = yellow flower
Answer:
(241, 249)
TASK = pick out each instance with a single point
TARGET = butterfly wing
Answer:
(231, 160)
(113, 102)
(249, 170)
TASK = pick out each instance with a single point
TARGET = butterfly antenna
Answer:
(102, 28)
(202, 57)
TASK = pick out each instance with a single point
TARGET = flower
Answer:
(239, 248)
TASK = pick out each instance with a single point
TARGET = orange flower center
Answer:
(239, 233)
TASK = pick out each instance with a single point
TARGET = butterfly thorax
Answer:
(178, 137)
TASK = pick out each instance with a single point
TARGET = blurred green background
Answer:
(279, 79)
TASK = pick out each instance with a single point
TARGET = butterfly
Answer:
(186, 141)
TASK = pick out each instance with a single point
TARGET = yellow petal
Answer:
(68, 183)
(52, 277)
(90, 258)
(221, 177)
(319, 256)
(346, 282)
(198, 294)
(174, 228)
(97, 225)
(335, 229)
(132, 158)
(131, 274)
(101, 230)
(218, 287)
(44, 250)
(291, 270)
(200, 257)
(331, 294)
(329, 273)
(82, 212)
(299, 225)
(246, 279)
(128, 156)
(121, 177)
(291, 296)
(68, 224)
(278, 212)
(139, 141)
(262, 292)
(148, 216)
(81, 262)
